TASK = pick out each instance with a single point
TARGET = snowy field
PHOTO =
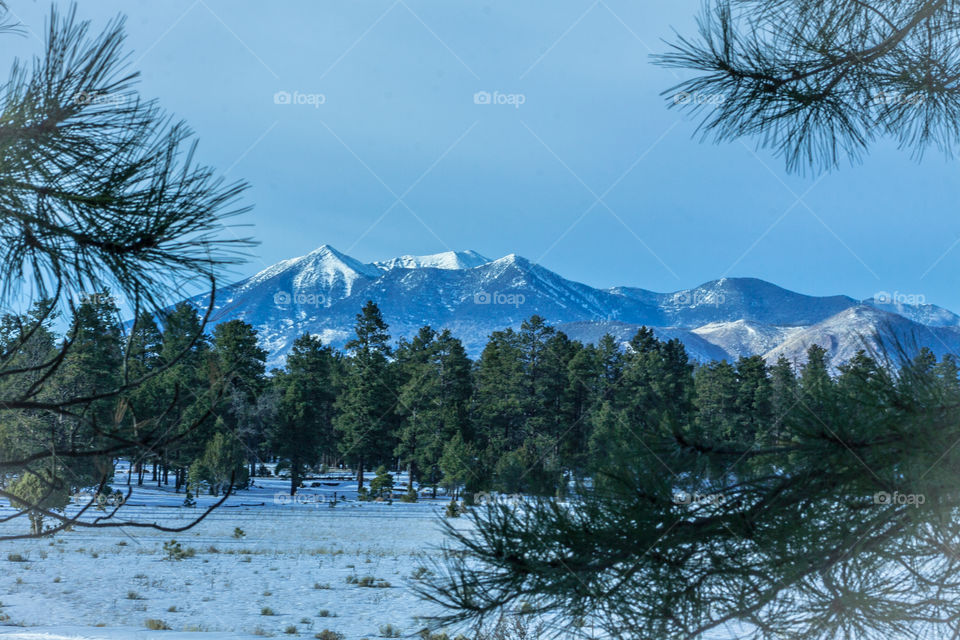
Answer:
(298, 569)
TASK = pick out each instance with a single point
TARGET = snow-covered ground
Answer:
(296, 566)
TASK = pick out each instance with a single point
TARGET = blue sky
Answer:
(591, 175)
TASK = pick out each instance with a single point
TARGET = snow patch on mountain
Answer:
(445, 260)
(322, 292)
(883, 335)
(744, 337)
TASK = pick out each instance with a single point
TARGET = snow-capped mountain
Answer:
(885, 335)
(745, 337)
(321, 293)
(446, 260)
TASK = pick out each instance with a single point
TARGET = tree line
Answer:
(536, 414)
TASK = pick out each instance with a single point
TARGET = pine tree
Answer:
(754, 398)
(240, 363)
(382, 483)
(716, 391)
(101, 197)
(434, 401)
(307, 393)
(186, 393)
(366, 416)
(820, 81)
(221, 466)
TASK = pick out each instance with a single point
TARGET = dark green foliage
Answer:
(103, 207)
(817, 81)
(382, 483)
(434, 401)
(365, 410)
(307, 391)
(221, 467)
(782, 506)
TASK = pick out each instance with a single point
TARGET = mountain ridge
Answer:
(322, 291)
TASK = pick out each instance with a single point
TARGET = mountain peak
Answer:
(473, 296)
(451, 260)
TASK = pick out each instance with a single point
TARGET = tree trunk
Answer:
(360, 475)
(410, 477)
(294, 476)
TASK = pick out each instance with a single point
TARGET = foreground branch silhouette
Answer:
(103, 211)
(837, 519)
(818, 81)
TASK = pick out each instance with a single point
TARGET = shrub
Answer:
(326, 634)
(370, 581)
(420, 573)
(267, 611)
(175, 551)
(290, 630)
(239, 533)
(155, 624)
(390, 631)
(453, 509)
(317, 585)
(15, 557)
(382, 484)
(409, 496)
(325, 613)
